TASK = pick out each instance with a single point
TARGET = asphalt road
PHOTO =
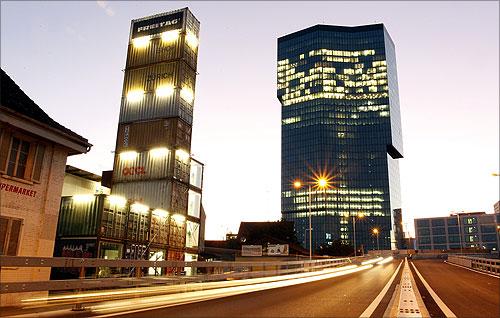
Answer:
(466, 293)
(344, 296)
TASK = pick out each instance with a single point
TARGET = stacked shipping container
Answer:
(154, 208)
(152, 167)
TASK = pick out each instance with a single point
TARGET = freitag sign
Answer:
(157, 25)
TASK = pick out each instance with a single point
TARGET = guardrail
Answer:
(209, 271)
(487, 265)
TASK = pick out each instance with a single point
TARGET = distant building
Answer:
(33, 152)
(399, 235)
(475, 230)
(254, 233)
(78, 181)
(338, 87)
(496, 207)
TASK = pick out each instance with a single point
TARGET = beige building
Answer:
(33, 152)
(78, 182)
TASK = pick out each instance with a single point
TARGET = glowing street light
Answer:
(376, 232)
(360, 215)
(319, 183)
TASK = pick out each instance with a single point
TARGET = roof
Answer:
(338, 28)
(82, 173)
(14, 99)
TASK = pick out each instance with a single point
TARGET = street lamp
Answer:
(376, 231)
(319, 183)
(360, 216)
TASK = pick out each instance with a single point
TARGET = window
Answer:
(20, 157)
(453, 230)
(10, 232)
(194, 202)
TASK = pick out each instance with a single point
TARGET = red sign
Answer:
(132, 171)
(19, 190)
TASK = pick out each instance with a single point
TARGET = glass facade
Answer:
(340, 118)
(475, 230)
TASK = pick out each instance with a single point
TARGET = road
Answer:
(466, 293)
(462, 292)
(344, 296)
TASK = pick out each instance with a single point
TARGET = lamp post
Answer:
(321, 183)
(360, 215)
(376, 232)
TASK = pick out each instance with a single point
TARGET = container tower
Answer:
(153, 169)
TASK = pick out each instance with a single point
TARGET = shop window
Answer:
(10, 233)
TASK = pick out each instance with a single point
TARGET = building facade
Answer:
(338, 89)
(473, 230)
(33, 152)
(153, 170)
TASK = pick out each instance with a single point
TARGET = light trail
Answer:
(385, 260)
(154, 290)
(122, 307)
(371, 261)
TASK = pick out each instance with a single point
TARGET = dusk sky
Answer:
(69, 58)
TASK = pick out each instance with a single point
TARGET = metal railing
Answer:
(206, 271)
(487, 265)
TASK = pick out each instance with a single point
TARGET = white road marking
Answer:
(473, 270)
(371, 308)
(448, 313)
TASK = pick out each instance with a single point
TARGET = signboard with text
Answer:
(157, 25)
(251, 250)
(277, 249)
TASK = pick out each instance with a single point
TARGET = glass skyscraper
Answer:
(338, 89)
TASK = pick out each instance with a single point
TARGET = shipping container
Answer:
(145, 135)
(138, 223)
(158, 91)
(155, 194)
(159, 229)
(80, 215)
(164, 43)
(146, 165)
(179, 198)
(113, 221)
(181, 169)
(91, 215)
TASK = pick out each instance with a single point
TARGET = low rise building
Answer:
(33, 152)
(465, 230)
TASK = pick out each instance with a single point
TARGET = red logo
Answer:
(133, 171)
